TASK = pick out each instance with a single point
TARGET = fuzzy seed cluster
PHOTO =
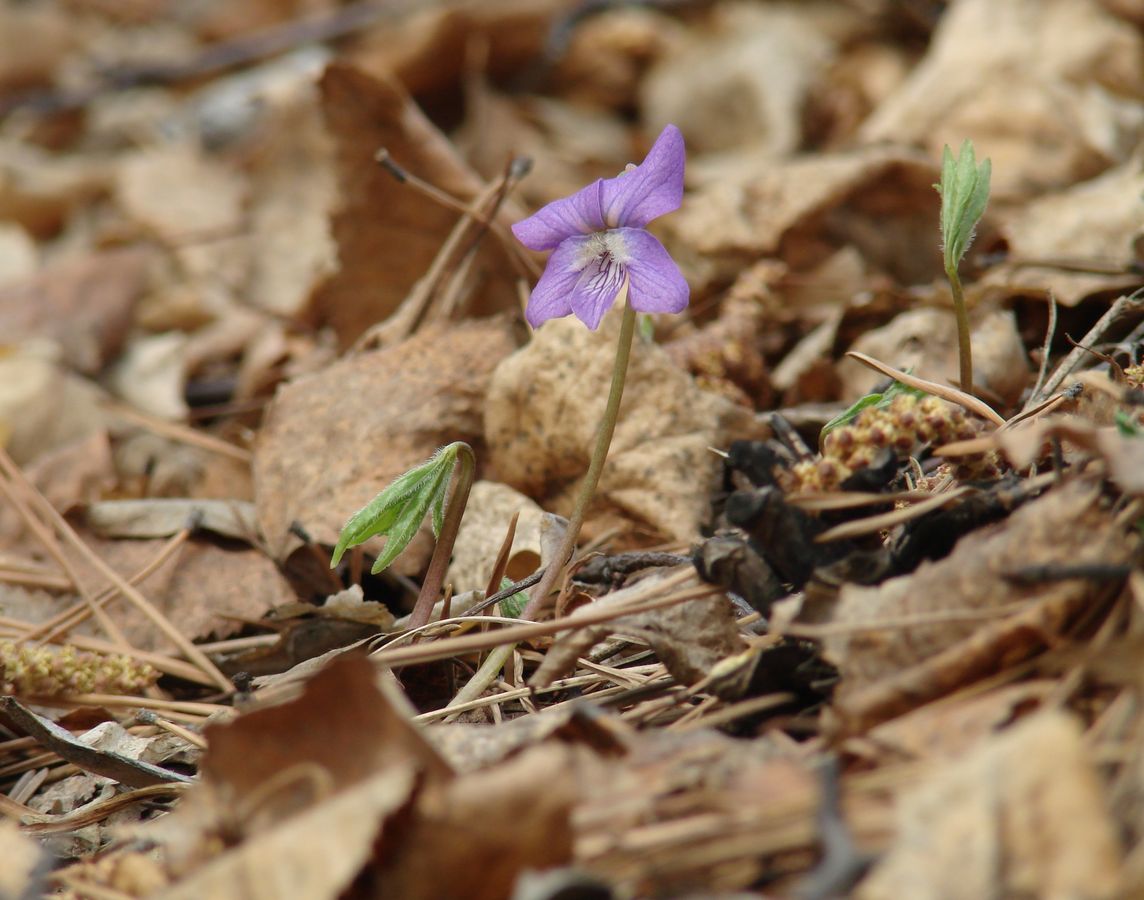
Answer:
(43, 671)
(901, 426)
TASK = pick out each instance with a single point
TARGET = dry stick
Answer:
(447, 200)
(192, 653)
(471, 643)
(70, 618)
(47, 539)
(1123, 308)
(961, 398)
(182, 434)
(1046, 348)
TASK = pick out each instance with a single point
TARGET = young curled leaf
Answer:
(397, 512)
(964, 190)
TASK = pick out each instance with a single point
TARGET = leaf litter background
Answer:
(225, 327)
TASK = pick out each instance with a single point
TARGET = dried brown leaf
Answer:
(84, 304)
(546, 400)
(741, 83)
(205, 588)
(1022, 815)
(179, 194)
(1065, 70)
(387, 233)
(1069, 523)
(1051, 240)
(334, 439)
(880, 199)
(42, 406)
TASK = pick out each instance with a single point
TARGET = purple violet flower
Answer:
(599, 242)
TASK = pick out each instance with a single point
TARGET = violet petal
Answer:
(655, 283)
(579, 214)
(596, 290)
(652, 188)
(550, 297)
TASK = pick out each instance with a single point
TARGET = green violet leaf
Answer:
(399, 509)
(964, 190)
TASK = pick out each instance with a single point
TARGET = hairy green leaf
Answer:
(964, 190)
(398, 510)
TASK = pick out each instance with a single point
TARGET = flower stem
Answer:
(964, 351)
(538, 598)
(496, 659)
(439, 563)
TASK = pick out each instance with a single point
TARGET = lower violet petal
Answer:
(596, 290)
(550, 298)
(655, 283)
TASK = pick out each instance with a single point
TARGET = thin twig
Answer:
(1046, 349)
(961, 398)
(161, 622)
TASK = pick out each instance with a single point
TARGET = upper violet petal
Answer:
(580, 213)
(550, 297)
(651, 189)
(655, 283)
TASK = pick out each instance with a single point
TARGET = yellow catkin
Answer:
(902, 426)
(57, 671)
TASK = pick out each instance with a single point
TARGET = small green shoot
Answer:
(514, 605)
(880, 400)
(1126, 425)
(398, 511)
(964, 190)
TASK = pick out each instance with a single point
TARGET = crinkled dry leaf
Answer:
(334, 439)
(340, 737)
(1067, 71)
(1069, 523)
(179, 194)
(545, 402)
(311, 856)
(294, 190)
(880, 199)
(426, 51)
(472, 836)
(205, 588)
(1052, 239)
(84, 304)
(68, 476)
(42, 406)
(387, 233)
(1022, 816)
(1124, 455)
(742, 84)
(950, 729)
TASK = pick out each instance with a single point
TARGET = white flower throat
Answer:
(602, 261)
